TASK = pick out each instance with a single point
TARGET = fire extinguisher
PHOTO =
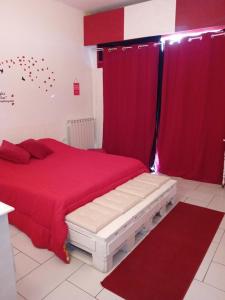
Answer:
(76, 88)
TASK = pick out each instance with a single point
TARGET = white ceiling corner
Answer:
(92, 6)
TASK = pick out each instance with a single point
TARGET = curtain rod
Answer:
(195, 38)
(125, 48)
(129, 47)
(200, 37)
(142, 46)
(157, 44)
(161, 43)
(217, 34)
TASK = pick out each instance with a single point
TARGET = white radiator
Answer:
(81, 133)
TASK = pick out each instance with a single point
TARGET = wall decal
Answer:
(34, 71)
(5, 99)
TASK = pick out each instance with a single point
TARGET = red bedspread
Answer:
(44, 191)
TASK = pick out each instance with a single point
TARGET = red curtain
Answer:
(192, 123)
(130, 94)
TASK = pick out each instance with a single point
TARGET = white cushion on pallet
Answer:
(121, 232)
(138, 188)
(152, 178)
(92, 216)
(118, 200)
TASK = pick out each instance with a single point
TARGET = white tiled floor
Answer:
(41, 275)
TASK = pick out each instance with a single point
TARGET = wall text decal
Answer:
(5, 99)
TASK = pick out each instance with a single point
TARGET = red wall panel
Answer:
(104, 27)
(192, 14)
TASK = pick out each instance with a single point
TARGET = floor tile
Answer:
(197, 201)
(188, 184)
(182, 190)
(216, 276)
(201, 291)
(15, 251)
(107, 295)
(13, 230)
(24, 265)
(218, 203)
(180, 197)
(205, 196)
(68, 291)
(218, 236)
(88, 279)
(176, 178)
(222, 224)
(203, 187)
(46, 278)
(19, 297)
(206, 262)
(24, 244)
(219, 257)
(221, 192)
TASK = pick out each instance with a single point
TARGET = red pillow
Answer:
(14, 153)
(35, 148)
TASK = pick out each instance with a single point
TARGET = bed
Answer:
(51, 196)
(44, 191)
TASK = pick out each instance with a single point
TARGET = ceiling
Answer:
(91, 6)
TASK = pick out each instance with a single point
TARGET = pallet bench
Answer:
(120, 219)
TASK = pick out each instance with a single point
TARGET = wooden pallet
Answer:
(124, 233)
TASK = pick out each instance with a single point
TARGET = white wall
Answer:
(51, 30)
(97, 88)
(97, 77)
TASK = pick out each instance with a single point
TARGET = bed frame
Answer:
(105, 248)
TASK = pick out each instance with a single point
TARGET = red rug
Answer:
(163, 266)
